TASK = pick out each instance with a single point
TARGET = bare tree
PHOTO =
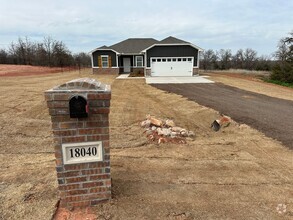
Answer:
(224, 58)
(250, 56)
(209, 59)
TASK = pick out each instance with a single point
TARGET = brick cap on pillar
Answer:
(82, 84)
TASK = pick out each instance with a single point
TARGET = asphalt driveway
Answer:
(272, 116)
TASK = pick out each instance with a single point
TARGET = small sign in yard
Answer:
(86, 152)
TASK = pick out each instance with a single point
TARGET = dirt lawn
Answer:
(236, 173)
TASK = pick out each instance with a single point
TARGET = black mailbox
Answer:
(78, 107)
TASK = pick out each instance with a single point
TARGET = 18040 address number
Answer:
(83, 152)
(74, 153)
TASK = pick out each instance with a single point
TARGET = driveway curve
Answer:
(272, 116)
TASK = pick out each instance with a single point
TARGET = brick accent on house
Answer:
(81, 184)
(106, 71)
(195, 71)
(148, 72)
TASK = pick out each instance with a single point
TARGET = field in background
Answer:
(27, 70)
(235, 173)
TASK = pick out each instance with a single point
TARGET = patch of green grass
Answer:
(279, 82)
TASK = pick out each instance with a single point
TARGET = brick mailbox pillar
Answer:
(79, 112)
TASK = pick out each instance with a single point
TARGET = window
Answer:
(189, 59)
(179, 59)
(174, 59)
(159, 60)
(154, 60)
(163, 60)
(105, 61)
(139, 61)
(184, 59)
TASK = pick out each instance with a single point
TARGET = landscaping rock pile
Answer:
(163, 131)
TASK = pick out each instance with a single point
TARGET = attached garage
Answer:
(172, 59)
(172, 66)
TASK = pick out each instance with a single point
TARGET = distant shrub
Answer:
(283, 72)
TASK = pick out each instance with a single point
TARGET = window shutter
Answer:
(110, 61)
(99, 61)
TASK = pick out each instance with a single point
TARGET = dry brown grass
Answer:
(236, 173)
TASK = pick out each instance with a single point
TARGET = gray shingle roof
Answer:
(136, 45)
(133, 45)
(173, 40)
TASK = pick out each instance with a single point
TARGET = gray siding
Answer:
(172, 51)
(104, 52)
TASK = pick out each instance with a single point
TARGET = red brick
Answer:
(100, 177)
(92, 172)
(63, 118)
(64, 132)
(99, 164)
(100, 189)
(58, 154)
(97, 124)
(62, 97)
(99, 96)
(58, 162)
(48, 96)
(68, 125)
(99, 110)
(75, 179)
(75, 167)
(107, 182)
(92, 184)
(71, 173)
(55, 125)
(69, 187)
(99, 103)
(77, 192)
(73, 139)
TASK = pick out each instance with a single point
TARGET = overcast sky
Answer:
(209, 24)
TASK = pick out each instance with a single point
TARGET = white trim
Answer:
(182, 44)
(97, 49)
(103, 56)
(92, 59)
(136, 61)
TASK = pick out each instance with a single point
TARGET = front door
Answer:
(126, 64)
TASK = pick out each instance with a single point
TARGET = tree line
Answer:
(283, 70)
(49, 52)
(223, 59)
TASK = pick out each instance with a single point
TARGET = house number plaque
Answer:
(86, 152)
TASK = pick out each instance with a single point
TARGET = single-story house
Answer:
(168, 57)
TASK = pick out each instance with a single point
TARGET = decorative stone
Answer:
(169, 123)
(176, 129)
(156, 122)
(145, 124)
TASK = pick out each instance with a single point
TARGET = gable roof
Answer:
(173, 40)
(138, 45)
(133, 45)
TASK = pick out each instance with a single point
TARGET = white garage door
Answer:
(172, 66)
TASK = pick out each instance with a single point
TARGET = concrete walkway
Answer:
(177, 80)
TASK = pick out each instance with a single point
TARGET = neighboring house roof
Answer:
(133, 45)
(138, 45)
